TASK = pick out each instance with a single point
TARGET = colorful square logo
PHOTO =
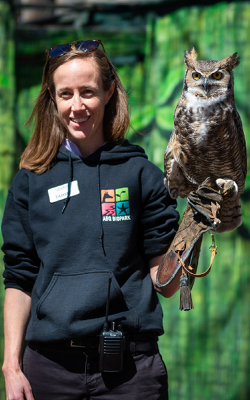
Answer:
(108, 209)
(122, 208)
(108, 196)
(121, 194)
(115, 204)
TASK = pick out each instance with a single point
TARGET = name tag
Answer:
(61, 192)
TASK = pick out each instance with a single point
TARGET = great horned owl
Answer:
(208, 139)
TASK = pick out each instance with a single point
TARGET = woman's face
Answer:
(81, 100)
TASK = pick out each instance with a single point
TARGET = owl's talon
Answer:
(229, 192)
(208, 182)
(229, 188)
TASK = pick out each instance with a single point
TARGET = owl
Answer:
(207, 141)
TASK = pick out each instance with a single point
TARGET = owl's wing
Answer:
(175, 180)
(242, 143)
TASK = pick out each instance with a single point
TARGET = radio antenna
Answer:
(106, 324)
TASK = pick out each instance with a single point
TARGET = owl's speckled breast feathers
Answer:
(208, 139)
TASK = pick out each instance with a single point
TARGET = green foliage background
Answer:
(207, 349)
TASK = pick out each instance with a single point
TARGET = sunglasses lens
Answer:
(87, 45)
(59, 50)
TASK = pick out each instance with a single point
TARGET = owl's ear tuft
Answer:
(190, 57)
(230, 62)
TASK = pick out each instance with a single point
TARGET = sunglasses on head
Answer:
(87, 46)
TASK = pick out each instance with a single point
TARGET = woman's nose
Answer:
(77, 104)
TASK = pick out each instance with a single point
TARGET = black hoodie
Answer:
(64, 249)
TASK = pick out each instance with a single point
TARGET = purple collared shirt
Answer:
(71, 147)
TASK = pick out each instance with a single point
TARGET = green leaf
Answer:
(3, 79)
(155, 145)
(26, 102)
(247, 182)
(142, 117)
(165, 117)
(167, 87)
(245, 214)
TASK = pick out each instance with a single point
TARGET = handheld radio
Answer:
(111, 344)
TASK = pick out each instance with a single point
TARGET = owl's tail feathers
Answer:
(230, 215)
(201, 216)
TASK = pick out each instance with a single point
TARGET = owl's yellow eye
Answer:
(217, 75)
(196, 76)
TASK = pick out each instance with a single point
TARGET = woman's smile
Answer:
(79, 120)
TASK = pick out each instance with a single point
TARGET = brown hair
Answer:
(49, 131)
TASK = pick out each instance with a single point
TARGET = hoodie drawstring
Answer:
(101, 236)
(69, 184)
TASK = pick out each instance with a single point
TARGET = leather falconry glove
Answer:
(201, 215)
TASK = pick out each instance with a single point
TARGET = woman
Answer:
(85, 211)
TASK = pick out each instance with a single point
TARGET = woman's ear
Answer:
(110, 92)
(51, 95)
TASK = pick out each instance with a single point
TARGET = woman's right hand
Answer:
(17, 307)
(16, 384)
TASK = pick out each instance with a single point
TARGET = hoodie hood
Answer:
(107, 152)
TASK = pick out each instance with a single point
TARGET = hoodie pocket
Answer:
(73, 299)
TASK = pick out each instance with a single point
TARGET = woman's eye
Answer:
(64, 94)
(217, 75)
(88, 92)
(196, 76)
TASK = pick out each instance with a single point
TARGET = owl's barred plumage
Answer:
(208, 139)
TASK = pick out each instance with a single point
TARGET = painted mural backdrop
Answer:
(207, 349)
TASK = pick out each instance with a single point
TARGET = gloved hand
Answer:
(201, 215)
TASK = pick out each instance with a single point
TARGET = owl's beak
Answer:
(205, 84)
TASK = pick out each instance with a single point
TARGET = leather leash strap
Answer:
(213, 250)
